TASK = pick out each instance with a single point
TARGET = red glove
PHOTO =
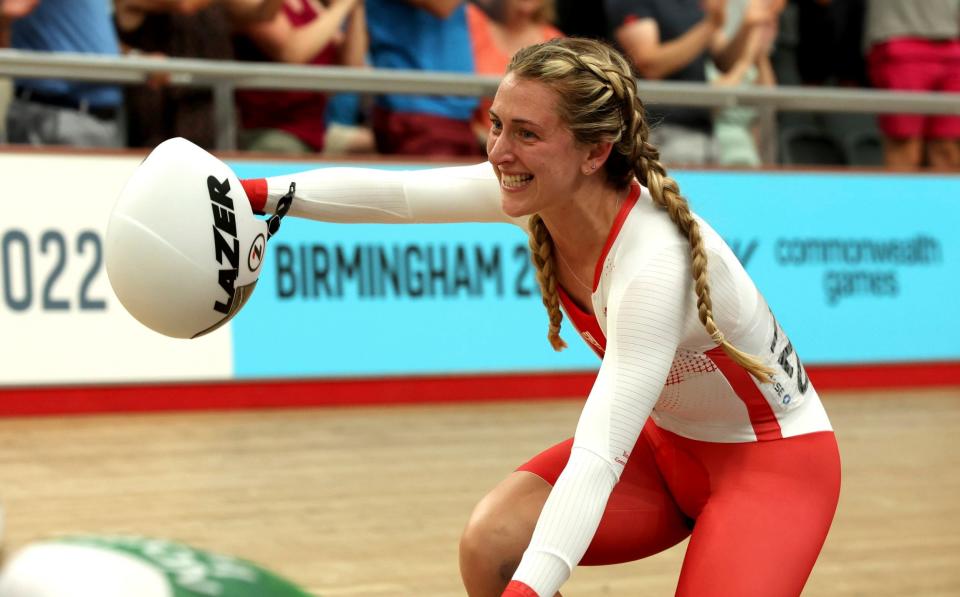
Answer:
(518, 589)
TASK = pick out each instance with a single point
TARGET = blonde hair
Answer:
(598, 101)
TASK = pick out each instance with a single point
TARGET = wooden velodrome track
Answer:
(370, 501)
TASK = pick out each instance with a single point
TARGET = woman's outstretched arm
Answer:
(453, 194)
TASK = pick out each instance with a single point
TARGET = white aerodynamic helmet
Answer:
(183, 246)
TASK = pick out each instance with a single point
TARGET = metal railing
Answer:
(224, 77)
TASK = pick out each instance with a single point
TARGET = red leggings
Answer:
(757, 513)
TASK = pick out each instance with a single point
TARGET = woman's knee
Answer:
(498, 532)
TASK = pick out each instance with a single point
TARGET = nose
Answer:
(499, 149)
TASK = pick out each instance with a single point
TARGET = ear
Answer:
(596, 157)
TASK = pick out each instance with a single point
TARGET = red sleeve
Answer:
(518, 589)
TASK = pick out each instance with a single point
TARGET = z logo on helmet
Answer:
(255, 258)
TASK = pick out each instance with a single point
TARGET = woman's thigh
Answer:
(641, 517)
(769, 509)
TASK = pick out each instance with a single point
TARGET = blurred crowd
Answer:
(889, 44)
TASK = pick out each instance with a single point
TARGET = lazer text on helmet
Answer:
(225, 243)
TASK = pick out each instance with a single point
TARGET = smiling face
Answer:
(532, 150)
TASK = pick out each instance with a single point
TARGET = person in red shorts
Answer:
(683, 435)
(915, 46)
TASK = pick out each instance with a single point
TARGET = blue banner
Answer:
(858, 268)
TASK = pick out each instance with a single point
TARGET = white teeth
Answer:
(516, 180)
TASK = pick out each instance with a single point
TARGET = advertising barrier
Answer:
(860, 269)
(60, 321)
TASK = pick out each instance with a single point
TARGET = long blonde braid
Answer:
(599, 102)
(666, 193)
(541, 252)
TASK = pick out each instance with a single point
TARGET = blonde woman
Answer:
(702, 421)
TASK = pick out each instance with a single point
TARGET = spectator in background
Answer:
(60, 112)
(182, 29)
(672, 39)
(429, 35)
(491, 8)
(736, 129)
(302, 32)
(519, 23)
(915, 46)
(348, 125)
(10, 10)
(830, 42)
(583, 19)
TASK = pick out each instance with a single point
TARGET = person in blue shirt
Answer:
(428, 35)
(62, 112)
